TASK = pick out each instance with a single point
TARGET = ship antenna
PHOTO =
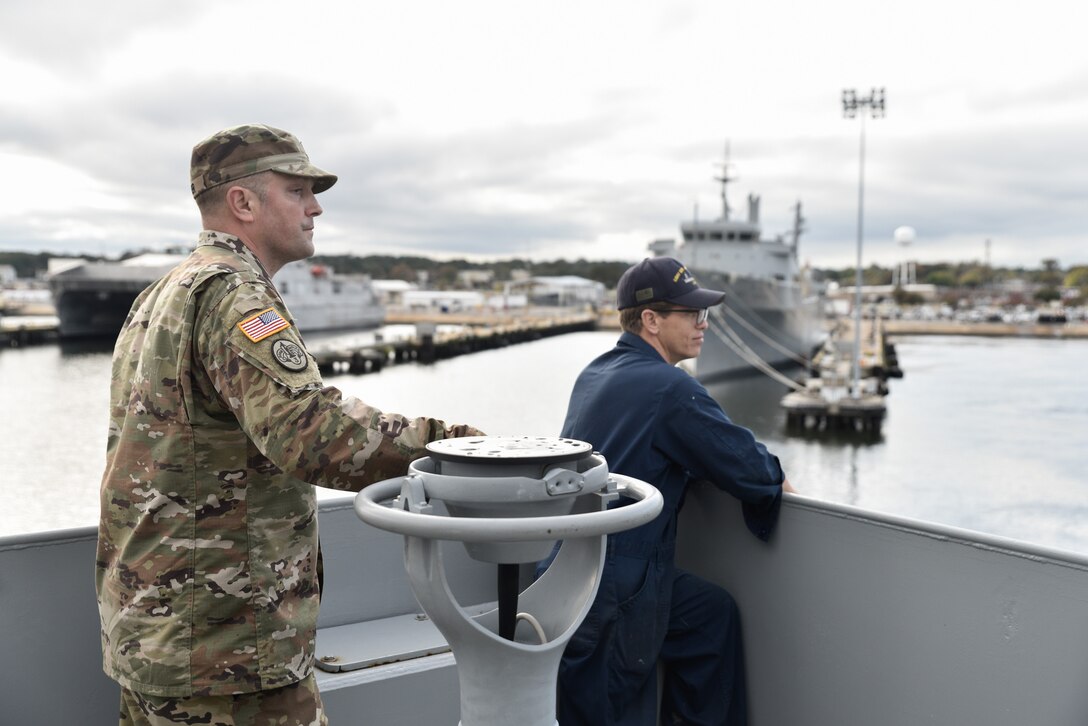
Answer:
(724, 179)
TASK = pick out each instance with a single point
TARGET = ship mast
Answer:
(798, 225)
(724, 179)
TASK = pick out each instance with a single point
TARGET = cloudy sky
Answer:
(558, 129)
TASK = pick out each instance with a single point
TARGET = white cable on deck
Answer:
(536, 626)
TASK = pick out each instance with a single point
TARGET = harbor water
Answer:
(984, 434)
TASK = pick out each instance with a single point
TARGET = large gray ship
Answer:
(770, 317)
(92, 299)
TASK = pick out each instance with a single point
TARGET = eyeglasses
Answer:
(701, 315)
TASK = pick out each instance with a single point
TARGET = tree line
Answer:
(443, 273)
(439, 273)
(1048, 279)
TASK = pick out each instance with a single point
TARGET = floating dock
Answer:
(827, 402)
(812, 411)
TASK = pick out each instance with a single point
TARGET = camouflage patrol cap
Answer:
(249, 149)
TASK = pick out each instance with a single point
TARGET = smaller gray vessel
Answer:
(320, 299)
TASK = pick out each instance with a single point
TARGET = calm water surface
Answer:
(985, 434)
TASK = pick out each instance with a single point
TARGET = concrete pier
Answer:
(1076, 331)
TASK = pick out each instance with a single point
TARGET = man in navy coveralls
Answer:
(653, 421)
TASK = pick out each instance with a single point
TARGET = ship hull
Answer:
(92, 301)
(767, 319)
(340, 312)
(97, 313)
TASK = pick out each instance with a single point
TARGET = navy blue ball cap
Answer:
(663, 279)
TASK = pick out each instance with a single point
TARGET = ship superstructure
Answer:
(770, 316)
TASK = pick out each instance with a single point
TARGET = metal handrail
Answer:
(395, 518)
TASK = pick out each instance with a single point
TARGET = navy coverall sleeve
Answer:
(696, 431)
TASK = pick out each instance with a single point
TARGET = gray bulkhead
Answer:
(853, 617)
(850, 617)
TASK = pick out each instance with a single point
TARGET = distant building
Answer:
(7, 275)
(508, 301)
(874, 293)
(447, 301)
(391, 292)
(1016, 286)
(475, 279)
(566, 290)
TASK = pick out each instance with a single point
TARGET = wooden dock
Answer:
(477, 333)
(607, 319)
(18, 331)
(480, 331)
(827, 404)
(878, 357)
(828, 401)
(816, 413)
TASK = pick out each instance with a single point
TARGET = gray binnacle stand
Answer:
(509, 499)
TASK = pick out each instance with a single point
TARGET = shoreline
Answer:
(990, 330)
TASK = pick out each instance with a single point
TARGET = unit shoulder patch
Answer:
(263, 324)
(289, 354)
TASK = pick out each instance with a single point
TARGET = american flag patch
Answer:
(263, 324)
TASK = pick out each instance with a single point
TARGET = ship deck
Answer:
(850, 617)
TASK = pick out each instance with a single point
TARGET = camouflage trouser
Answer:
(296, 705)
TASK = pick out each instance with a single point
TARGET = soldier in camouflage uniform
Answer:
(220, 427)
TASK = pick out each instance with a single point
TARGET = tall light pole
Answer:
(874, 105)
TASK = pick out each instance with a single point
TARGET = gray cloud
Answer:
(512, 186)
(73, 36)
